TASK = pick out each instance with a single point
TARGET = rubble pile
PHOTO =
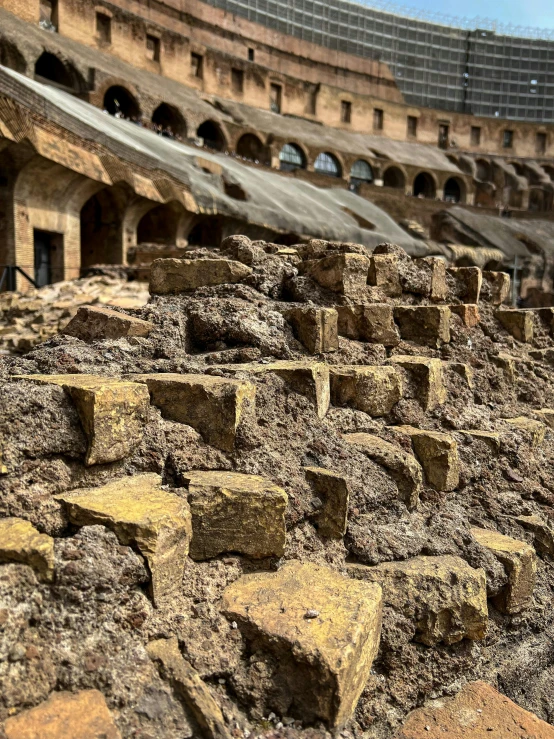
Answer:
(29, 318)
(303, 492)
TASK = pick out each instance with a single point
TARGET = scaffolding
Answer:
(474, 66)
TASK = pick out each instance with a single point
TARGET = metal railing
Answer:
(8, 276)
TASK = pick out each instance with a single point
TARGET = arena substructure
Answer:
(303, 491)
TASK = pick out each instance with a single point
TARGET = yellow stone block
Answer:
(113, 412)
(437, 454)
(212, 405)
(332, 489)
(533, 429)
(520, 562)
(491, 438)
(427, 379)
(139, 512)
(21, 542)
(444, 597)
(373, 390)
(232, 512)
(169, 276)
(307, 378)
(519, 323)
(323, 629)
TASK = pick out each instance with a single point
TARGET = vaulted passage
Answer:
(119, 102)
(251, 147)
(424, 186)
(159, 225)
(394, 177)
(49, 68)
(101, 224)
(168, 120)
(212, 135)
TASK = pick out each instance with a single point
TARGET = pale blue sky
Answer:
(539, 13)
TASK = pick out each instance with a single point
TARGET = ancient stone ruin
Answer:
(302, 492)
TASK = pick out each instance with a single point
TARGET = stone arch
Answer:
(206, 231)
(213, 135)
(160, 224)
(424, 185)
(251, 147)
(394, 177)
(483, 170)
(101, 221)
(11, 57)
(327, 163)
(52, 69)
(455, 190)
(292, 157)
(361, 172)
(118, 101)
(549, 169)
(170, 121)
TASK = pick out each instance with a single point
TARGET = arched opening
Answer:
(454, 191)
(291, 157)
(327, 164)
(394, 177)
(49, 68)
(206, 232)
(212, 135)
(101, 229)
(168, 121)
(539, 200)
(424, 186)
(361, 172)
(119, 102)
(159, 225)
(250, 147)
(11, 57)
(549, 170)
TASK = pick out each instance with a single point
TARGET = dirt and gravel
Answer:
(90, 627)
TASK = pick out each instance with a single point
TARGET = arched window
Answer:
(326, 163)
(250, 147)
(424, 186)
(291, 157)
(394, 177)
(361, 172)
(168, 121)
(119, 102)
(50, 67)
(212, 135)
(454, 191)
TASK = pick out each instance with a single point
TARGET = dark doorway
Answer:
(168, 121)
(48, 250)
(207, 232)
(159, 225)
(212, 135)
(453, 192)
(424, 186)
(11, 57)
(119, 102)
(50, 68)
(394, 177)
(101, 241)
(250, 147)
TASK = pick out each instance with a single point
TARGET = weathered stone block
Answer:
(544, 535)
(21, 542)
(444, 597)
(65, 716)
(113, 412)
(520, 562)
(315, 328)
(212, 405)
(424, 324)
(507, 364)
(465, 283)
(95, 324)
(139, 512)
(188, 684)
(373, 323)
(478, 711)
(169, 276)
(463, 371)
(232, 512)
(307, 378)
(323, 628)
(491, 438)
(403, 468)
(519, 323)
(345, 274)
(543, 355)
(332, 489)
(468, 313)
(424, 276)
(534, 430)
(383, 273)
(427, 379)
(373, 390)
(437, 454)
(496, 287)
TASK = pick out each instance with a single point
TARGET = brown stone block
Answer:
(519, 323)
(383, 273)
(332, 489)
(437, 454)
(496, 287)
(345, 274)
(232, 512)
(465, 283)
(468, 313)
(95, 324)
(373, 323)
(323, 628)
(534, 430)
(427, 378)
(425, 324)
(478, 711)
(169, 276)
(315, 328)
(424, 276)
